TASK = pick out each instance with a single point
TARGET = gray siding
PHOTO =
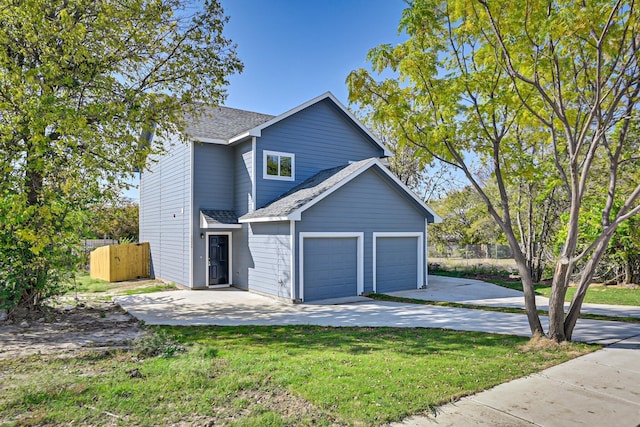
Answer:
(330, 268)
(397, 264)
(320, 136)
(243, 162)
(242, 198)
(369, 203)
(212, 189)
(165, 209)
(270, 247)
(242, 260)
(213, 177)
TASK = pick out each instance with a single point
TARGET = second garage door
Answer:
(330, 267)
(397, 263)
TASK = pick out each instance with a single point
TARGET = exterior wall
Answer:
(213, 177)
(270, 247)
(165, 211)
(242, 203)
(242, 260)
(369, 203)
(212, 189)
(243, 166)
(320, 136)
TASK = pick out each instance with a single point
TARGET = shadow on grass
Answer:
(352, 340)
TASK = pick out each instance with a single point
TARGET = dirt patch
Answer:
(252, 402)
(77, 321)
(68, 329)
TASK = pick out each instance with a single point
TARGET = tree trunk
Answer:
(556, 301)
(576, 303)
(527, 286)
(35, 273)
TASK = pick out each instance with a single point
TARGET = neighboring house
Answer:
(297, 206)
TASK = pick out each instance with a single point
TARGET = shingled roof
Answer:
(307, 191)
(291, 204)
(223, 122)
(220, 217)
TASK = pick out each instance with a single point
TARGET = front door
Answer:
(218, 260)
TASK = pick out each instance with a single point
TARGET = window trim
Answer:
(278, 177)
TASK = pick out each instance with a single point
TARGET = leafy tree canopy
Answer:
(537, 91)
(465, 221)
(117, 219)
(79, 81)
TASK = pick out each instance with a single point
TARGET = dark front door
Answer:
(218, 260)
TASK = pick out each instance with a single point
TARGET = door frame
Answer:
(420, 251)
(331, 235)
(229, 256)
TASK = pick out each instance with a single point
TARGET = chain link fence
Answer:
(451, 256)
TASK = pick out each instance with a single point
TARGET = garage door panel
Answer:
(330, 268)
(396, 263)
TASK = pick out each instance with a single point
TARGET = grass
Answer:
(600, 295)
(270, 376)
(160, 287)
(596, 294)
(86, 285)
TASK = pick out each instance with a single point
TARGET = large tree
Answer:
(114, 219)
(465, 220)
(474, 74)
(430, 181)
(79, 81)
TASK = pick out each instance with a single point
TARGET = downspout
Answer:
(425, 258)
(191, 214)
(292, 243)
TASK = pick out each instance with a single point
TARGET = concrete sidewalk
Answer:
(599, 389)
(477, 292)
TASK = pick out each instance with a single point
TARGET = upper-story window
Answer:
(278, 165)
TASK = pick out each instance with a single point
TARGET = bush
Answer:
(158, 344)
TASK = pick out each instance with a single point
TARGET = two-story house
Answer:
(298, 206)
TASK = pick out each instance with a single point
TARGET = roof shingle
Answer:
(223, 122)
(220, 216)
(307, 191)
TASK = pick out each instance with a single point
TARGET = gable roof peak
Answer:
(257, 130)
(226, 125)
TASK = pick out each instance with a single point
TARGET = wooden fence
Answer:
(115, 263)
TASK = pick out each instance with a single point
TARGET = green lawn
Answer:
(86, 285)
(595, 294)
(269, 376)
(601, 295)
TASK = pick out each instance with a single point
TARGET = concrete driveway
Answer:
(232, 307)
(477, 292)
